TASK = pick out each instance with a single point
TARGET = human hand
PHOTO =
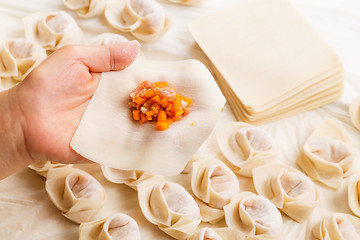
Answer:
(52, 99)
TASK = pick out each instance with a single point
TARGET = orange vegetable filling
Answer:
(158, 102)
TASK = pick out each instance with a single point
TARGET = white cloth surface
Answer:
(26, 210)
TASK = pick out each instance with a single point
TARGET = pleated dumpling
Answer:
(188, 2)
(254, 215)
(19, 56)
(43, 167)
(51, 30)
(214, 184)
(86, 8)
(77, 194)
(116, 227)
(107, 38)
(217, 234)
(169, 206)
(246, 147)
(338, 226)
(354, 110)
(132, 178)
(145, 19)
(288, 189)
(327, 155)
(354, 195)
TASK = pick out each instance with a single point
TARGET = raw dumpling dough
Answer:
(338, 226)
(43, 167)
(214, 184)
(19, 56)
(125, 144)
(145, 19)
(132, 178)
(117, 227)
(107, 38)
(354, 195)
(246, 147)
(77, 194)
(188, 2)
(51, 30)
(217, 234)
(354, 110)
(327, 155)
(169, 206)
(254, 215)
(288, 189)
(86, 8)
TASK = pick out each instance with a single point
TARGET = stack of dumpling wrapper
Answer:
(269, 62)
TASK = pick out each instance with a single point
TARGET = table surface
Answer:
(27, 212)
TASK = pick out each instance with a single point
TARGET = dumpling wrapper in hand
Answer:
(169, 206)
(214, 184)
(117, 227)
(288, 189)
(51, 30)
(354, 110)
(77, 194)
(43, 167)
(246, 146)
(108, 135)
(338, 226)
(254, 215)
(19, 56)
(107, 38)
(327, 155)
(86, 8)
(217, 234)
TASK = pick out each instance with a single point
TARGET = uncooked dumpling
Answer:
(214, 184)
(108, 38)
(125, 144)
(338, 226)
(51, 30)
(86, 8)
(145, 19)
(169, 206)
(354, 110)
(117, 227)
(354, 195)
(132, 178)
(77, 194)
(19, 56)
(43, 167)
(254, 215)
(327, 155)
(188, 2)
(288, 189)
(217, 234)
(246, 147)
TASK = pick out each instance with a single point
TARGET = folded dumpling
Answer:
(43, 167)
(246, 147)
(169, 206)
(188, 2)
(86, 8)
(338, 226)
(19, 56)
(107, 38)
(354, 195)
(132, 178)
(217, 234)
(116, 227)
(354, 110)
(327, 155)
(254, 215)
(145, 19)
(288, 189)
(77, 194)
(214, 184)
(51, 30)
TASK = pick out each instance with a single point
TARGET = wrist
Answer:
(13, 151)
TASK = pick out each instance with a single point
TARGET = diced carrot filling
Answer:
(158, 102)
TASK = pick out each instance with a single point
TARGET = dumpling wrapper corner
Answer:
(108, 135)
